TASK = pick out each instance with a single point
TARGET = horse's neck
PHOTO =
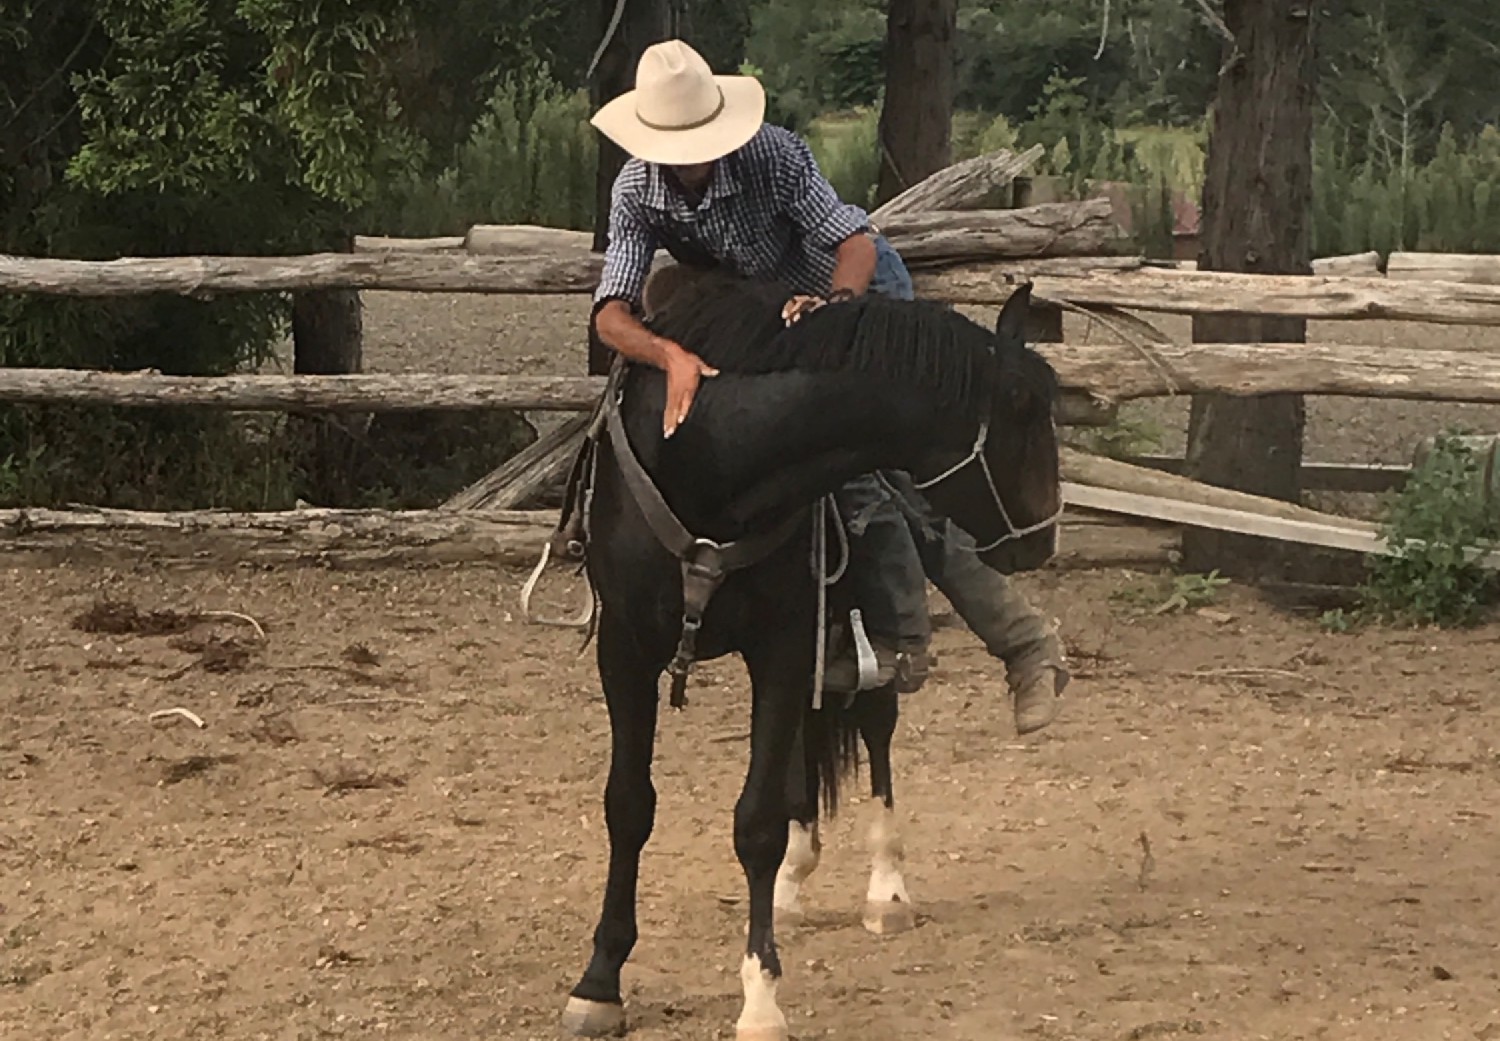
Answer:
(756, 448)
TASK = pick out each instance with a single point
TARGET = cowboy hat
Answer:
(680, 113)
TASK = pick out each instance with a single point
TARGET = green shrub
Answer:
(847, 149)
(530, 159)
(1432, 525)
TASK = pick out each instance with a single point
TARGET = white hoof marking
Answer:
(761, 1019)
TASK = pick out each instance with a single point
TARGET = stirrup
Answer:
(580, 622)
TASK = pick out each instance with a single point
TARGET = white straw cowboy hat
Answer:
(680, 113)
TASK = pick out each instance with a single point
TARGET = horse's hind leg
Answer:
(888, 907)
(804, 847)
(595, 1007)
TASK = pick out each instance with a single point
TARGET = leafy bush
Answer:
(1432, 525)
(847, 150)
(530, 159)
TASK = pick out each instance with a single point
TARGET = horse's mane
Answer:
(735, 325)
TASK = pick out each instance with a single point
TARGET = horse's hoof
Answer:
(886, 917)
(789, 918)
(770, 1032)
(584, 1018)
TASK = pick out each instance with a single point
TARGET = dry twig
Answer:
(191, 717)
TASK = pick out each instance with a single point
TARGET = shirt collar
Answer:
(726, 182)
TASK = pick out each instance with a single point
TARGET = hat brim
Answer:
(744, 112)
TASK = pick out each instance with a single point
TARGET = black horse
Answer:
(703, 545)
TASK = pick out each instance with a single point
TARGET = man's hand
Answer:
(684, 371)
(622, 330)
(801, 305)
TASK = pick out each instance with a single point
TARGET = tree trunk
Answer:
(327, 332)
(1257, 217)
(643, 23)
(917, 116)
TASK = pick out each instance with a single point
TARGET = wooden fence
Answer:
(1134, 362)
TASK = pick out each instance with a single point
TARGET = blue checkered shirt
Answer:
(768, 213)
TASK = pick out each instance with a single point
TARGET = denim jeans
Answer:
(884, 565)
(898, 541)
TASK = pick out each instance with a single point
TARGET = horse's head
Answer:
(1005, 491)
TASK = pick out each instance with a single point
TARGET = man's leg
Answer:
(1010, 628)
(885, 568)
(885, 572)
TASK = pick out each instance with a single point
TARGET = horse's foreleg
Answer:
(779, 678)
(888, 906)
(595, 1007)
(803, 846)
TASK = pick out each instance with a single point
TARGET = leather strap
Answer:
(705, 563)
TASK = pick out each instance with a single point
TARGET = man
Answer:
(714, 185)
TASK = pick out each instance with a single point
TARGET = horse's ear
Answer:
(1010, 327)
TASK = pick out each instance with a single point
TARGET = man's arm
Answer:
(855, 266)
(825, 220)
(627, 262)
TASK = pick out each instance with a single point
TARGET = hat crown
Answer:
(675, 88)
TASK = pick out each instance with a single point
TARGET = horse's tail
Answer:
(832, 736)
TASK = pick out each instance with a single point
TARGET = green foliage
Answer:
(530, 159)
(1127, 436)
(1171, 594)
(1431, 526)
(1448, 203)
(847, 151)
(167, 127)
(817, 57)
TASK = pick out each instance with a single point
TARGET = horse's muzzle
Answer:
(1028, 553)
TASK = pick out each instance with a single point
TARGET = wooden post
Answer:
(1257, 210)
(327, 340)
(327, 328)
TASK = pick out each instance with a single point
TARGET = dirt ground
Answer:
(391, 827)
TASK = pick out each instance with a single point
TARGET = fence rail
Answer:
(1083, 282)
(1439, 289)
(1110, 372)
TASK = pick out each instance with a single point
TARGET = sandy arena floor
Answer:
(391, 825)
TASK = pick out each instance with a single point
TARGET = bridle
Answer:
(976, 452)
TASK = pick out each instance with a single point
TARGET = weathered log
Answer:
(503, 239)
(333, 537)
(387, 243)
(1219, 292)
(1093, 374)
(1351, 265)
(1052, 230)
(1121, 372)
(206, 276)
(1475, 269)
(529, 471)
(961, 185)
(1097, 471)
(369, 539)
(1348, 265)
(364, 392)
(1055, 229)
(1368, 478)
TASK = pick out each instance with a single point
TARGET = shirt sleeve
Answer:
(632, 246)
(811, 202)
